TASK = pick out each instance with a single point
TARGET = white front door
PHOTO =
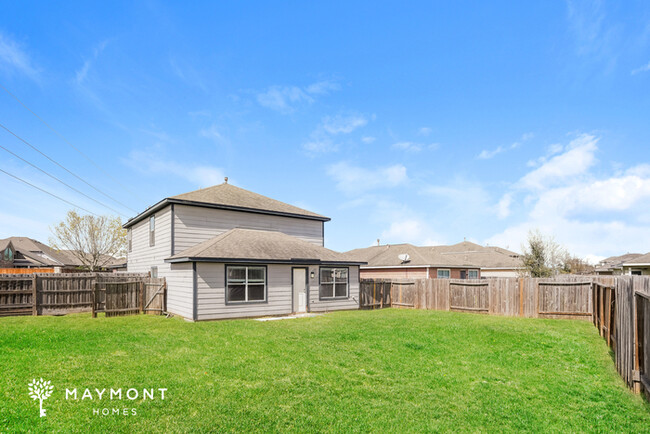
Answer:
(300, 290)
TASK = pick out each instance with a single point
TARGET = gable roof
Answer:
(34, 252)
(227, 196)
(616, 262)
(464, 254)
(256, 246)
(638, 260)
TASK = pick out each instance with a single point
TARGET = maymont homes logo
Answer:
(40, 390)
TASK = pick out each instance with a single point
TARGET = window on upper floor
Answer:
(129, 237)
(152, 231)
(333, 282)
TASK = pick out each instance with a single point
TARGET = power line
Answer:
(47, 192)
(64, 168)
(71, 145)
(57, 179)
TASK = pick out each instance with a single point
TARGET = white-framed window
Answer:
(154, 272)
(129, 237)
(152, 231)
(334, 283)
(245, 284)
(472, 274)
(444, 273)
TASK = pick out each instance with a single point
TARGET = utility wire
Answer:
(47, 192)
(64, 168)
(71, 145)
(67, 185)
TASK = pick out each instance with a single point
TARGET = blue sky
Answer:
(424, 123)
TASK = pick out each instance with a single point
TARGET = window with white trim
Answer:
(129, 236)
(152, 231)
(472, 274)
(444, 273)
(245, 284)
(334, 283)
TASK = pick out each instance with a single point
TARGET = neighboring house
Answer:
(25, 253)
(227, 252)
(639, 266)
(464, 260)
(613, 265)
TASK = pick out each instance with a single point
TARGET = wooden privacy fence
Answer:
(561, 297)
(56, 294)
(129, 297)
(622, 316)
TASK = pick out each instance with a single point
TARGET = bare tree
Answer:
(542, 256)
(94, 241)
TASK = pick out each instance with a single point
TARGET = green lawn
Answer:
(389, 370)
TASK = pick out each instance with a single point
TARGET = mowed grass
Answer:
(383, 371)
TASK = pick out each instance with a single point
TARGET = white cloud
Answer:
(82, 73)
(408, 146)
(503, 207)
(368, 139)
(285, 99)
(322, 87)
(487, 154)
(353, 179)
(13, 58)
(340, 124)
(320, 145)
(413, 231)
(590, 215)
(212, 133)
(149, 162)
(424, 131)
(321, 139)
(577, 160)
(644, 68)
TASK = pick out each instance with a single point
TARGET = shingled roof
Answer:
(255, 246)
(464, 254)
(227, 196)
(639, 260)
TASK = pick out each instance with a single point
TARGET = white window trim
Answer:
(472, 270)
(443, 269)
(245, 282)
(152, 233)
(333, 283)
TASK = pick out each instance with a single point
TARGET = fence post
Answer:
(95, 288)
(521, 296)
(637, 356)
(164, 304)
(142, 290)
(35, 295)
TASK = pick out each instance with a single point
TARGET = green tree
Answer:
(542, 256)
(94, 241)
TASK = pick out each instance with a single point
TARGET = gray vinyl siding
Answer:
(142, 257)
(180, 290)
(211, 301)
(352, 302)
(193, 225)
(211, 282)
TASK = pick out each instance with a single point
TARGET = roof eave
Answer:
(260, 261)
(169, 201)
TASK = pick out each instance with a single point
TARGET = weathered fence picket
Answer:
(56, 294)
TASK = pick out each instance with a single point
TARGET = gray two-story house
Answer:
(227, 252)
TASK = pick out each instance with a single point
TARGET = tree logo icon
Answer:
(40, 390)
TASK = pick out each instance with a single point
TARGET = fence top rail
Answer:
(602, 285)
(469, 283)
(565, 283)
(642, 294)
